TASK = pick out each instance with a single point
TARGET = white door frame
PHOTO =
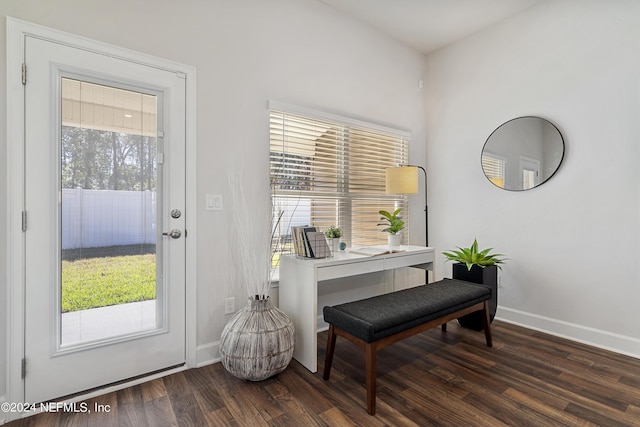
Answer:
(16, 32)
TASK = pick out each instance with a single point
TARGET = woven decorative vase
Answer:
(258, 341)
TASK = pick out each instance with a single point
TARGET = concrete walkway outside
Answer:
(106, 322)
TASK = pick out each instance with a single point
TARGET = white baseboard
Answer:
(209, 353)
(617, 343)
(206, 354)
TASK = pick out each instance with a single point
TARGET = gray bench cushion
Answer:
(381, 316)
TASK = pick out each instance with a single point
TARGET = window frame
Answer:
(344, 194)
(494, 167)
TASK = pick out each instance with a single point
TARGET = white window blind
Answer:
(494, 168)
(329, 172)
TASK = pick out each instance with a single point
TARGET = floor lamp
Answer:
(404, 180)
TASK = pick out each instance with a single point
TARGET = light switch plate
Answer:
(213, 202)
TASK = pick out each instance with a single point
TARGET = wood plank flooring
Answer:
(432, 379)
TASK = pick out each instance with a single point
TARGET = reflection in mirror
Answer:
(522, 153)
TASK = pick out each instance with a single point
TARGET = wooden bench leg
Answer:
(370, 367)
(444, 327)
(486, 324)
(328, 357)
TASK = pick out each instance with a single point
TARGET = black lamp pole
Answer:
(426, 212)
(426, 217)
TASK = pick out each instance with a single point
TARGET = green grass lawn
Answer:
(100, 282)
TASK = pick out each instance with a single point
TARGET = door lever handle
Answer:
(174, 234)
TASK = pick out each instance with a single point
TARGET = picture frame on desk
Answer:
(318, 244)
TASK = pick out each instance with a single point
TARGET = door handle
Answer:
(174, 234)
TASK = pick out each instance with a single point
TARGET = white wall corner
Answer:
(207, 354)
(617, 343)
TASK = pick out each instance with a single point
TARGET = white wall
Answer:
(246, 52)
(572, 242)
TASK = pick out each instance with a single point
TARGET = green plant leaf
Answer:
(486, 251)
(471, 256)
(385, 214)
(392, 221)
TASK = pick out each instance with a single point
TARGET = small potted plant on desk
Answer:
(333, 235)
(393, 224)
(479, 267)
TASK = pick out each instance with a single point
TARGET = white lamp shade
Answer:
(402, 180)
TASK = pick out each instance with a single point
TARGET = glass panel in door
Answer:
(109, 188)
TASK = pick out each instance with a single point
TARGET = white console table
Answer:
(300, 278)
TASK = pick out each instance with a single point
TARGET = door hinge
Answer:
(24, 368)
(24, 73)
(24, 220)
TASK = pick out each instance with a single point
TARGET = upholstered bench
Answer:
(377, 322)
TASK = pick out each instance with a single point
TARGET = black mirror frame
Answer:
(509, 121)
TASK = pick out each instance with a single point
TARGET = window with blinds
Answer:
(494, 168)
(330, 172)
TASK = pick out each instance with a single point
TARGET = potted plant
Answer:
(333, 235)
(394, 224)
(481, 267)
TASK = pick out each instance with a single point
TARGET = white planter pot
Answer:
(334, 244)
(394, 240)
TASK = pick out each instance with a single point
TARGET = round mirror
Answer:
(522, 153)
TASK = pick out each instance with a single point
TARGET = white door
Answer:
(529, 171)
(104, 178)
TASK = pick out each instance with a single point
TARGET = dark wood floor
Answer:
(440, 379)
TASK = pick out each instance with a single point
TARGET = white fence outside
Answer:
(297, 212)
(99, 218)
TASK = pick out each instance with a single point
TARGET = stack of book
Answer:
(308, 242)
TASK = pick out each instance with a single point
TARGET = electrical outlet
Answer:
(230, 305)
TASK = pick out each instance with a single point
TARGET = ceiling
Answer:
(427, 25)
